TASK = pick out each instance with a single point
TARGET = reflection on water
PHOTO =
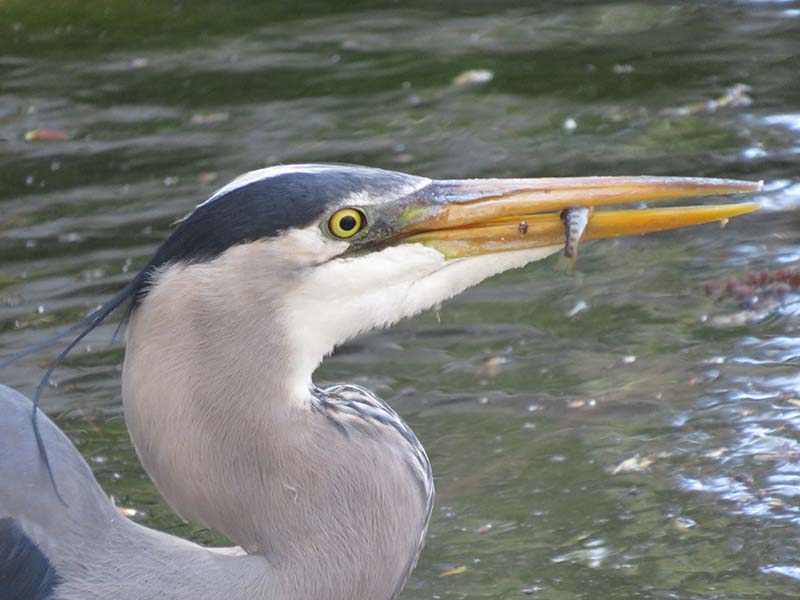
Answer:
(613, 435)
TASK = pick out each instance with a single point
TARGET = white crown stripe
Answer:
(266, 173)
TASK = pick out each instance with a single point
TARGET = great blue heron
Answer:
(326, 492)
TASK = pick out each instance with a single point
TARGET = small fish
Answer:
(575, 219)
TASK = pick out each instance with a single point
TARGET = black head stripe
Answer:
(254, 211)
(264, 208)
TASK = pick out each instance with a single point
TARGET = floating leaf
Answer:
(454, 571)
(634, 464)
(473, 77)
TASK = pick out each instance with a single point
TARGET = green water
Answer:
(534, 392)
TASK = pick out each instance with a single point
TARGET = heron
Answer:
(326, 493)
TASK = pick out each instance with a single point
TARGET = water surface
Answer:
(618, 434)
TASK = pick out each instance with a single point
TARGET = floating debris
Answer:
(714, 360)
(756, 295)
(532, 590)
(209, 118)
(473, 77)
(453, 571)
(740, 318)
(463, 82)
(492, 367)
(756, 284)
(590, 403)
(46, 135)
(683, 523)
(579, 307)
(70, 238)
(716, 454)
(734, 97)
(207, 177)
(635, 464)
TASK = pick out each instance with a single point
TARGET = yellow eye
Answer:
(346, 223)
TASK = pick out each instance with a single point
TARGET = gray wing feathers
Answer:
(25, 491)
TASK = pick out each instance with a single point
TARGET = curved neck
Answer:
(234, 440)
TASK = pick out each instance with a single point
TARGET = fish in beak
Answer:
(472, 217)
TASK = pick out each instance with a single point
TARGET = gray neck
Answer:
(233, 439)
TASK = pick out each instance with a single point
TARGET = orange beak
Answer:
(481, 216)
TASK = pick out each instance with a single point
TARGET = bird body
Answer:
(86, 549)
(326, 492)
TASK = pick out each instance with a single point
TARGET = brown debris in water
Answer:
(756, 286)
(46, 135)
(492, 367)
(736, 96)
(635, 464)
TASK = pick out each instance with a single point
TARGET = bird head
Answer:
(336, 250)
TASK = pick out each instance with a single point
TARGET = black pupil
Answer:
(348, 223)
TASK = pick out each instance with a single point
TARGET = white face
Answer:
(336, 298)
(320, 295)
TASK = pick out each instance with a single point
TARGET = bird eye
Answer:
(346, 223)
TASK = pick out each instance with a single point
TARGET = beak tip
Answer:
(751, 187)
(750, 207)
